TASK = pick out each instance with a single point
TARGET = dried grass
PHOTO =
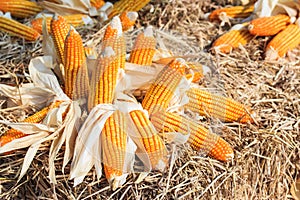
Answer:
(267, 153)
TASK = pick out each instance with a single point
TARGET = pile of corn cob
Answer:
(76, 13)
(278, 19)
(118, 127)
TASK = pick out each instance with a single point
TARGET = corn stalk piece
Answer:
(75, 20)
(144, 48)
(127, 5)
(128, 20)
(284, 41)
(200, 138)
(76, 74)
(20, 8)
(59, 30)
(153, 144)
(37, 117)
(162, 89)
(15, 28)
(114, 141)
(232, 39)
(225, 109)
(233, 12)
(268, 26)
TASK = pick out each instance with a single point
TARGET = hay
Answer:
(266, 161)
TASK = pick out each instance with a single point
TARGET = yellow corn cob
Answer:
(162, 89)
(226, 109)
(113, 37)
(200, 139)
(153, 144)
(15, 28)
(127, 5)
(13, 134)
(103, 81)
(76, 74)
(232, 39)
(113, 144)
(128, 20)
(268, 26)
(59, 30)
(75, 20)
(97, 3)
(144, 48)
(20, 8)
(233, 12)
(284, 41)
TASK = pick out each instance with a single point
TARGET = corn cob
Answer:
(15, 28)
(113, 37)
(200, 139)
(268, 26)
(59, 30)
(153, 144)
(128, 20)
(103, 81)
(162, 89)
(233, 12)
(232, 39)
(226, 109)
(284, 41)
(144, 48)
(20, 8)
(127, 5)
(113, 144)
(37, 117)
(75, 20)
(76, 74)
(97, 3)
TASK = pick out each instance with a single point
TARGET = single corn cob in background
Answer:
(37, 117)
(268, 26)
(113, 37)
(104, 79)
(233, 12)
(15, 28)
(223, 108)
(162, 89)
(128, 20)
(97, 3)
(127, 5)
(20, 8)
(144, 48)
(153, 144)
(113, 144)
(284, 41)
(75, 20)
(59, 31)
(232, 39)
(76, 74)
(200, 139)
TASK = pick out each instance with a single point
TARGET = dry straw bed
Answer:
(266, 163)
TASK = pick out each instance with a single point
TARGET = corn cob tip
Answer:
(116, 24)
(148, 32)
(132, 16)
(222, 151)
(108, 52)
